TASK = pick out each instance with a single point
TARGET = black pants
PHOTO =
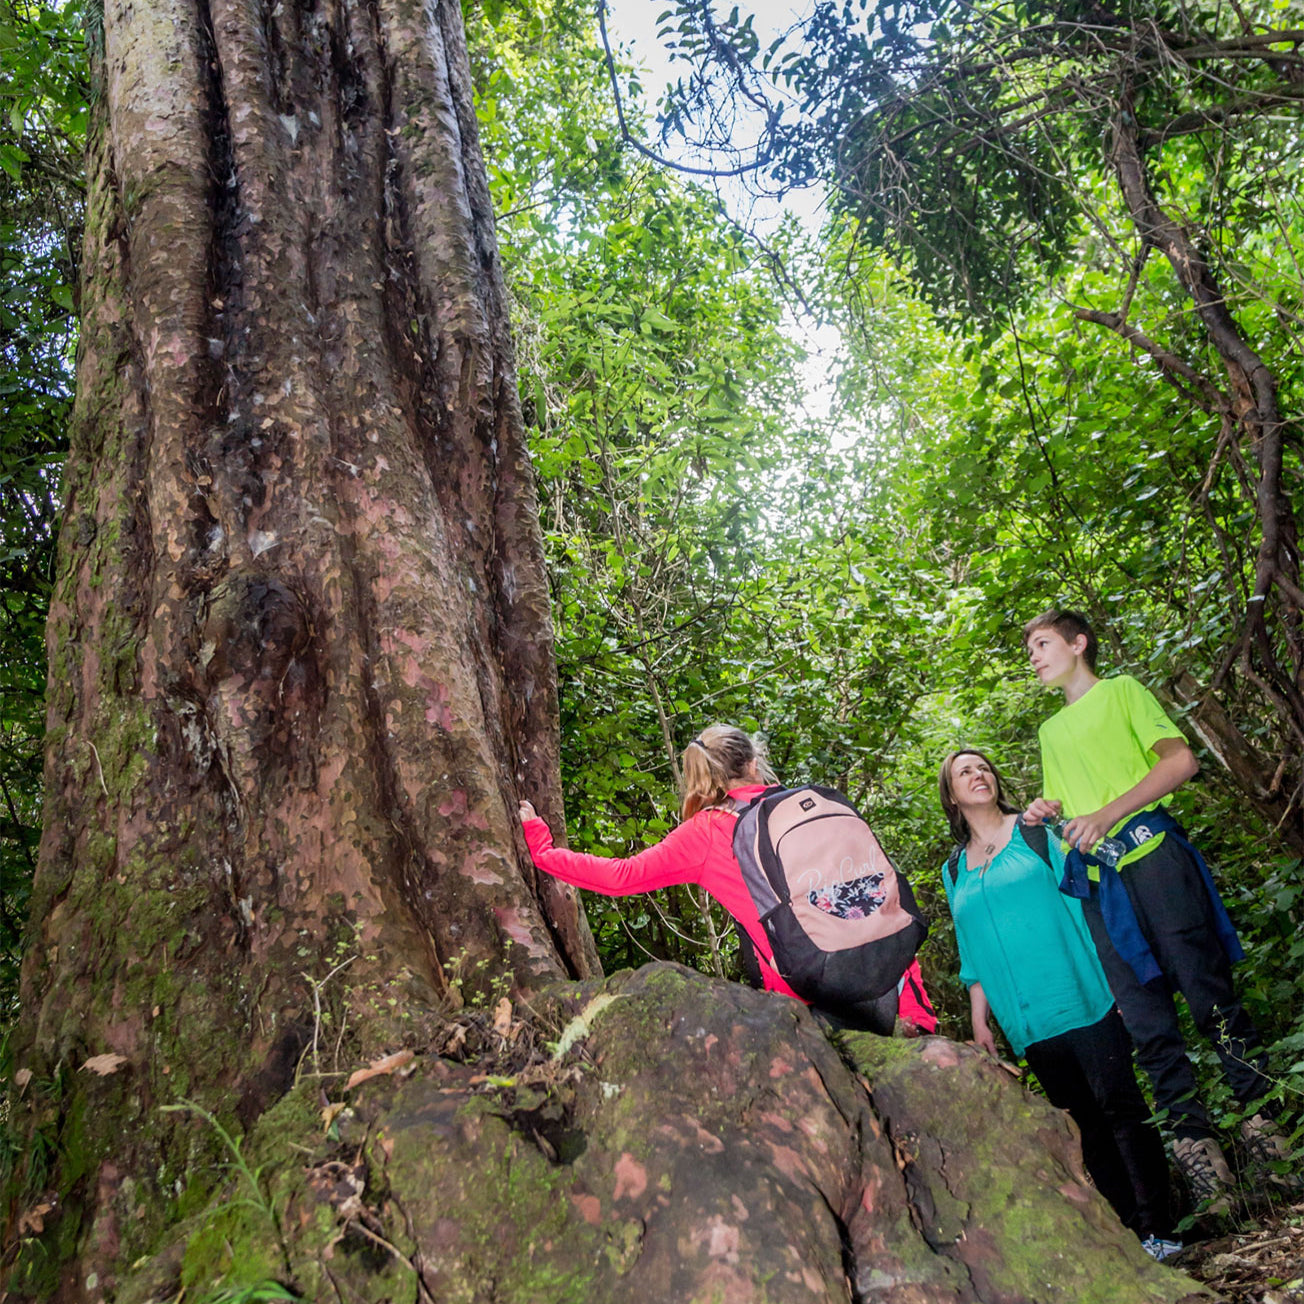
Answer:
(1089, 1072)
(1173, 909)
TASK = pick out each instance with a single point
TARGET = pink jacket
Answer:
(699, 851)
(915, 1005)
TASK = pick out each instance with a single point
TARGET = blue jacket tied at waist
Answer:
(1116, 906)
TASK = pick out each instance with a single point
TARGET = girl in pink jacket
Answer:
(723, 770)
(721, 766)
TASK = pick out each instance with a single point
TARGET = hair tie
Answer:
(697, 742)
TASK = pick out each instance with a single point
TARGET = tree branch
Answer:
(634, 143)
(1208, 396)
(1201, 119)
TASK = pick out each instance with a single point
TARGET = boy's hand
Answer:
(527, 812)
(1042, 810)
(1087, 831)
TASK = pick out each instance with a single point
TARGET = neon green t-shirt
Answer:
(1098, 747)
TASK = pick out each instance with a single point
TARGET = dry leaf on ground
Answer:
(456, 1040)
(386, 1064)
(503, 1017)
(105, 1064)
(331, 1112)
(34, 1219)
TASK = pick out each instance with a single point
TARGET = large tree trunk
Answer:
(301, 662)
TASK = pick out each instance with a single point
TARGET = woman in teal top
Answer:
(1027, 958)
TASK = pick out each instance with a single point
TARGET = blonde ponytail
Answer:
(718, 759)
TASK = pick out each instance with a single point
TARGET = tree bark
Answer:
(1249, 769)
(300, 648)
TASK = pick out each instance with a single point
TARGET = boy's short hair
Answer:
(1068, 625)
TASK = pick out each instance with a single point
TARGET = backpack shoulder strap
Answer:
(1038, 840)
(748, 957)
(953, 863)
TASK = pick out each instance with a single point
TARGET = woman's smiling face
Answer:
(972, 781)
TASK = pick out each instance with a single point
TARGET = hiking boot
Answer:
(1267, 1151)
(1200, 1160)
(1160, 1248)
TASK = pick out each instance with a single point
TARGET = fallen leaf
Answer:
(503, 1016)
(456, 1040)
(105, 1064)
(34, 1219)
(386, 1064)
(387, 1145)
(22, 1078)
(331, 1113)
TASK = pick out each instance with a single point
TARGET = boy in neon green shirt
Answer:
(1109, 758)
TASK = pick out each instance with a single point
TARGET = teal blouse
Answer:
(1027, 944)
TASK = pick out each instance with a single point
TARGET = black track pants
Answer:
(1173, 909)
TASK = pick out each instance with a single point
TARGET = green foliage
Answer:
(260, 1292)
(850, 588)
(43, 103)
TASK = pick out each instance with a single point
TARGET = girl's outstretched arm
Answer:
(677, 858)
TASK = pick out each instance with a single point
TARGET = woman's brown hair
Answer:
(960, 825)
(718, 759)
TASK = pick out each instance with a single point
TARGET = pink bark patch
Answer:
(454, 802)
(437, 711)
(631, 1177)
(945, 1054)
(517, 927)
(475, 871)
(725, 1283)
(869, 1196)
(789, 1162)
(1076, 1193)
(779, 1068)
(710, 1143)
(722, 1240)
(589, 1207)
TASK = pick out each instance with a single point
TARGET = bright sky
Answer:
(633, 25)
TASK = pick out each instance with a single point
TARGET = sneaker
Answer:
(1201, 1161)
(1159, 1249)
(1267, 1151)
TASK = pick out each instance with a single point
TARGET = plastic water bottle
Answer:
(1109, 851)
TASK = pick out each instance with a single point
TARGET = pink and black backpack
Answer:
(842, 922)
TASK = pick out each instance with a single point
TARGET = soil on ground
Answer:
(1263, 1264)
